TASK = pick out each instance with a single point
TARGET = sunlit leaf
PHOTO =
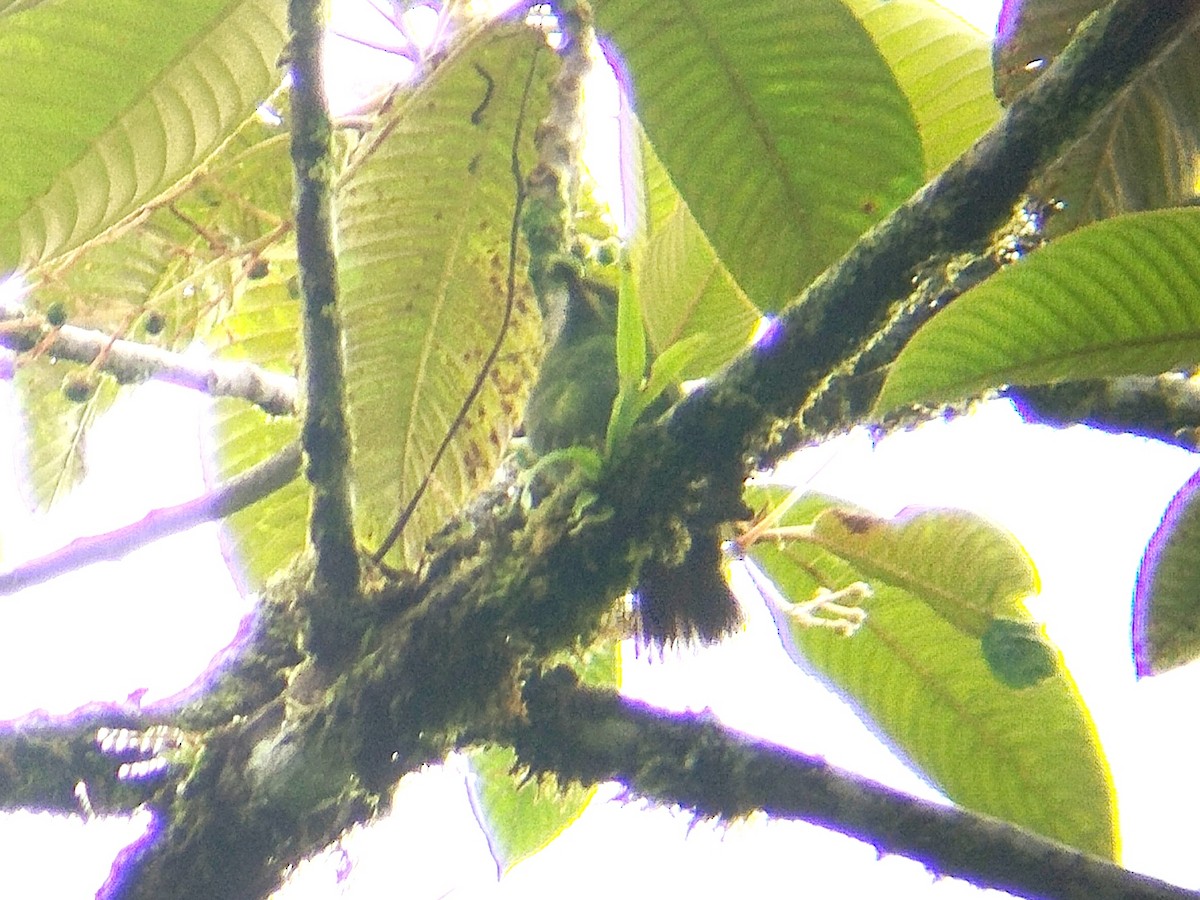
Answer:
(944, 67)
(1029, 755)
(685, 291)
(968, 570)
(433, 345)
(780, 124)
(1166, 606)
(1120, 297)
(54, 436)
(631, 334)
(182, 261)
(108, 105)
(519, 817)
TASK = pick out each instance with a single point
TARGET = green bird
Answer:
(570, 406)
(573, 397)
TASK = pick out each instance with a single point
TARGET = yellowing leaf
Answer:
(966, 569)
(1026, 754)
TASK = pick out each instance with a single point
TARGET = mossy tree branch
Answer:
(325, 436)
(687, 759)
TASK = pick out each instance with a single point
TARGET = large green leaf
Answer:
(182, 261)
(170, 270)
(1166, 605)
(1120, 297)
(108, 105)
(438, 360)
(684, 289)
(779, 123)
(944, 67)
(1142, 151)
(1028, 756)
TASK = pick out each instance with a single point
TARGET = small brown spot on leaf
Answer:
(856, 523)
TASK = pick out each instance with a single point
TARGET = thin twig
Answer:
(132, 361)
(239, 492)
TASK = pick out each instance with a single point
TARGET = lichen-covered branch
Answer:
(325, 436)
(237, 493)
(688, 759)
(131, 361)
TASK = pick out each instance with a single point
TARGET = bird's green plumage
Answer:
(570, 406)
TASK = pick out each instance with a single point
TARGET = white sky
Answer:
(1083, 504)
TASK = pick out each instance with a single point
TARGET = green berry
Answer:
(154, 322)
(608, 253)
(56, 315)
(79, 387)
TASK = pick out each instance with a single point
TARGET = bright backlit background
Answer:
(1084, 504)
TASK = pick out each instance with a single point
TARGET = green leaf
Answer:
(964, 567)
(685, 292)
(780, 124)
(631, 404)
(1166, 604)
(944, 67)
(631, 334)
(438, 365)
(263, 327)
(106, 106)
(1029, 756)
(520, 817)
(1141, 152)
(56, 428)
(182, 262)
(667, 371)
(1120, 297)
(168, 265)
